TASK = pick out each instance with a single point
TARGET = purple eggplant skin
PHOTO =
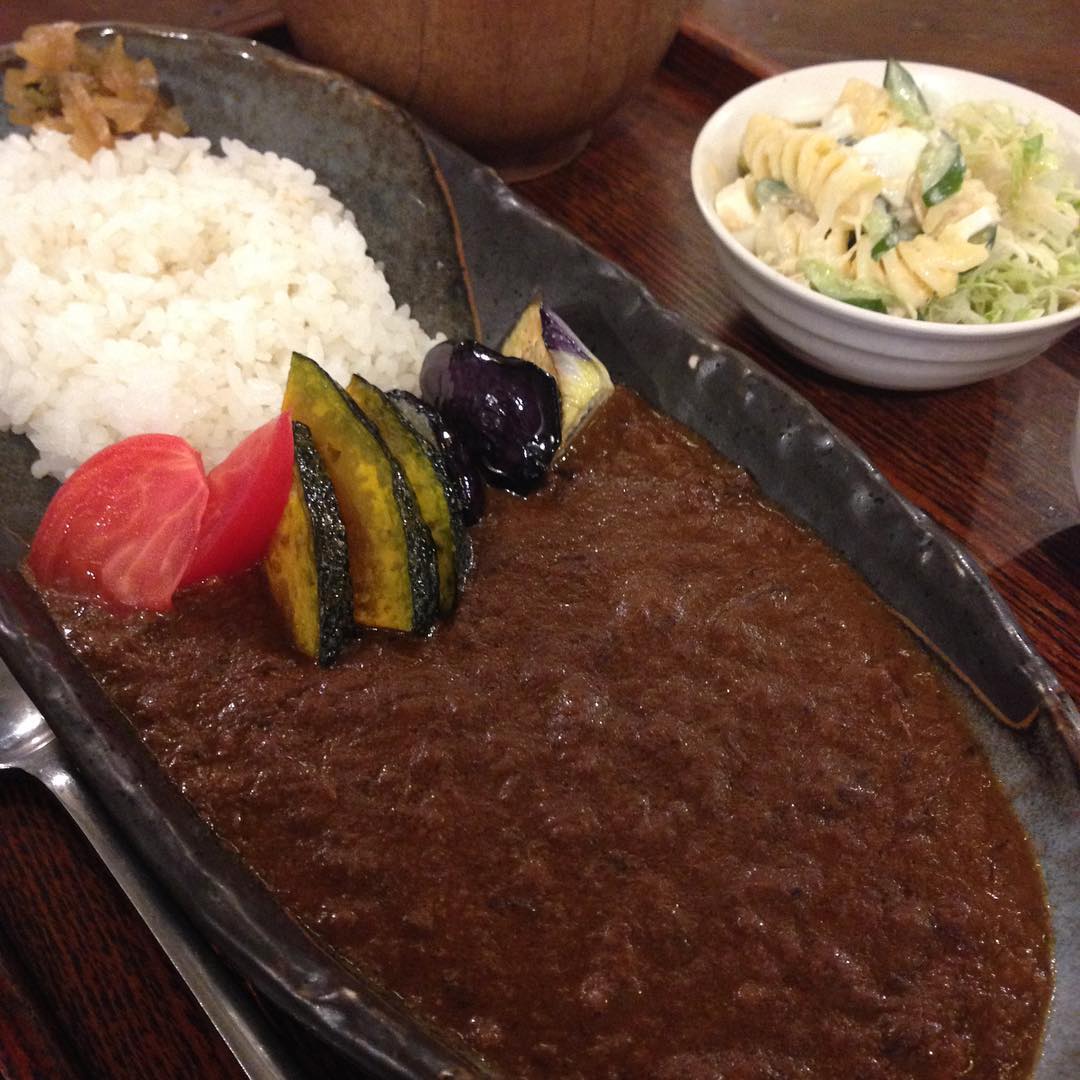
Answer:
(507, 410)
(558, 337)
(463, 472)
(470, 483)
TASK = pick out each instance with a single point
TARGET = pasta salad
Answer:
(965, 216)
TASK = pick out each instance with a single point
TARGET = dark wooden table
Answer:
(84, 990)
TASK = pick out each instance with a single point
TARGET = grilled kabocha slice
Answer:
(426, 472)
(307, 563)
(391, 554)
(461, 469)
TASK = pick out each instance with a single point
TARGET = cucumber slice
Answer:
(767, 191)
(941, 169)
(1031, 150)
(906, 95)
(881, 228)
(776, 191)
(824, 279)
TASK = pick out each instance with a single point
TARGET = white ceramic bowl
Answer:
(1075, 456)
(864, 346)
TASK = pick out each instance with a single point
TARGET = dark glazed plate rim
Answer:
(801, 462)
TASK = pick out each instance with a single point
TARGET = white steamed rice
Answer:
(158, 287)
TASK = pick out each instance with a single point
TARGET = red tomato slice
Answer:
(248, 491)
(124, 526)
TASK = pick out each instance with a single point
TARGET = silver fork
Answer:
(28, 743)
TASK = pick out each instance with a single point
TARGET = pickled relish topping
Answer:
(93, 94)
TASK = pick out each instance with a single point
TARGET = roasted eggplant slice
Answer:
(541, 337)
(527, 341)
(307, 563)
(462, 470)
(506, 409)
(392, 557)
(422, 463)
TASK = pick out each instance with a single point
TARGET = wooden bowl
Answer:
(521, 85)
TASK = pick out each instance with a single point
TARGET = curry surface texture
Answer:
(671, 796)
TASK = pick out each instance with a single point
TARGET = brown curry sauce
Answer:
(673, 795)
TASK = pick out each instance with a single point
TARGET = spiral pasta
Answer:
(916, 270)
(834, 181)
(783, 238)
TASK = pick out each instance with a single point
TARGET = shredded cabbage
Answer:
(1034, 266)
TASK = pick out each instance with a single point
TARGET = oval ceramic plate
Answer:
(374, 160)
